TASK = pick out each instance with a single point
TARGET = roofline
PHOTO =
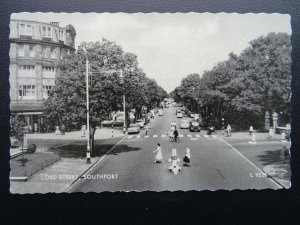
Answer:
(34, 21)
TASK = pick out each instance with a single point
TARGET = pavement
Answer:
(60, 175)
(56, 178)
(102, 133)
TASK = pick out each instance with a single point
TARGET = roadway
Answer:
(216, 164)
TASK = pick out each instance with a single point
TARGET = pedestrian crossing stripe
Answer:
(194, 139)
(181, 135)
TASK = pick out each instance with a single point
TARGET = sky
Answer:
(171, 46)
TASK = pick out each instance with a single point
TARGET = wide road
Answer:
(215, 163)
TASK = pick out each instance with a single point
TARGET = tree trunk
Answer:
(92, 139)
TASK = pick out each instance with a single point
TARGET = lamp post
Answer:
(88, 151)
(124, 102)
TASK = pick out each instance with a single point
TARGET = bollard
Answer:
(253, 141)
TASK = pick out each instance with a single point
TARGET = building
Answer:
(36, 50)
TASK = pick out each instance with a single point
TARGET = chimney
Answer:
(55, 23)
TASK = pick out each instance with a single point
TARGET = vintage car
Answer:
(134, 128)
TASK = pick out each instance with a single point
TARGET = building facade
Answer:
(36, 50)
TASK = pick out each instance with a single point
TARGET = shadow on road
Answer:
(79, 151)
(270, 157)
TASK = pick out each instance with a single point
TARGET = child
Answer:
(187, 157)
(158, 157)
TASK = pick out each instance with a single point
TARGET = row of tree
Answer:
(243, 88)
(112, 74)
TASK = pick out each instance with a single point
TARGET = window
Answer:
(61, 35)
(46, 32)
(52, 51)
(29, 30)
(44, 52)
(26, 67)
(27, 92)
(25, 29)
(48, 68)
(21, 50)
(22, 29)
(31, 51)
(46, 91)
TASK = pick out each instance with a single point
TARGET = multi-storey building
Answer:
(36, 50)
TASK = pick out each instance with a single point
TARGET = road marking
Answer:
(163, 135)
(138, 136)
(205, 135)
(244, 157)
(214, 136)
(189, 135)
(146, 136)
(180, 135)
(130, 137)
(197, 135)
(155, 136)
(194, 139)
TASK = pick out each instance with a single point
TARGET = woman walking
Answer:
(158, 157)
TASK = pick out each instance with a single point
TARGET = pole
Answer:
(88, 153)
(124, 126)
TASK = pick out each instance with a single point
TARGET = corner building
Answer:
(36, 50)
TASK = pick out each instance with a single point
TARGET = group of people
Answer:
(175, 168)
(227, 131)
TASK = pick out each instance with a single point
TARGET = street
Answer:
(216, 164)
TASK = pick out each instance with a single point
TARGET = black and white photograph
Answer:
(107, 102)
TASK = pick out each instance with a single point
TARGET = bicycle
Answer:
(172, 139)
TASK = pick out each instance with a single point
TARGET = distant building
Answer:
(36, 49)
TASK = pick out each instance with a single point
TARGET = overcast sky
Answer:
(171, 46)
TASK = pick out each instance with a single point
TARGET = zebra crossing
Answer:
(190, 136)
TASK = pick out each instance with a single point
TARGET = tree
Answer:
(107, 61)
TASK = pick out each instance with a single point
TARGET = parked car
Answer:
(178, 111)
(141, 122)
(184, 124)
(179, 115)
(194, 126)
(134, 128)
(191, 114)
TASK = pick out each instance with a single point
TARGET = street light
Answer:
(88, 151)
(124, 102)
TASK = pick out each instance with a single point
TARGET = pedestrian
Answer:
(62, 129)
(251, 130)
(187, 157)
(271, 132)
(57, 131)
(175, 134)
(229, 130)
(158, 157)
(146, 129)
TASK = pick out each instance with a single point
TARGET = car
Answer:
(133, 128)
(184, 124)
(179, 115)
(141, 122)
(191, 114)
(194, 126)
(160, 113)
(178, 111)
